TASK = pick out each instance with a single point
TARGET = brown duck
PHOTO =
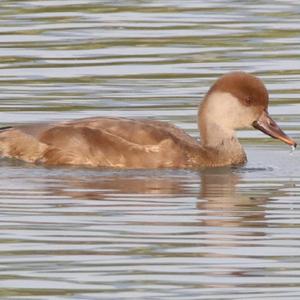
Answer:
(236, 100)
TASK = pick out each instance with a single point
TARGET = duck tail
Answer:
(5, 127)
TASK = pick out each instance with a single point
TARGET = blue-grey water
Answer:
(75, 233)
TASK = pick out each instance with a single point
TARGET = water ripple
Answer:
(166, 234)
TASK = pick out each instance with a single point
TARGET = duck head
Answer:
(237, 100)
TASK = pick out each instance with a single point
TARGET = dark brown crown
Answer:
(249, 89)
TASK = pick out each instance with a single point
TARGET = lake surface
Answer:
(75, 233)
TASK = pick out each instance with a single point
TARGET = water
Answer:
(74, 233)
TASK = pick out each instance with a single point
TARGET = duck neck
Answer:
(214, 136)
(216, 123)
(221, 144)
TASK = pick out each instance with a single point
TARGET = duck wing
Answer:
(107, 142)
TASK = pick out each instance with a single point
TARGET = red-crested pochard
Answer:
(236, 100)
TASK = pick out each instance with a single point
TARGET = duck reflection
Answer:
(102, 187)
(220, 198)
(225, 202)
(221, 217)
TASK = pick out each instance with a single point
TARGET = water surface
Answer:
(75, 233)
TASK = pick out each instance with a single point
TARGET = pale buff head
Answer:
(237, 100)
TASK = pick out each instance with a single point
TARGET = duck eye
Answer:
(248, 100)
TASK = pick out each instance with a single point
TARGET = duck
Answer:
(235, 101)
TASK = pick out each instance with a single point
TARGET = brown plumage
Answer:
(235, 101)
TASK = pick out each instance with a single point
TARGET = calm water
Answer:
(72, 233)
